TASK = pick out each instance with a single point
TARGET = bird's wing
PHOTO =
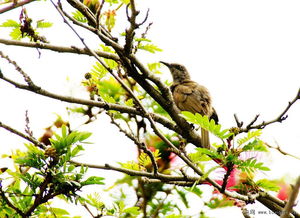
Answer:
(190, 96)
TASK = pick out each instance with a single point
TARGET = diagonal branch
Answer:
(22, 135)
(279, 149)
(15, 4)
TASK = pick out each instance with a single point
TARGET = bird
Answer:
(190, 96)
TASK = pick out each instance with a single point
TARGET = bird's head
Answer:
(178, 71)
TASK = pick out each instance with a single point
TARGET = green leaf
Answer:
(10, 23)
(106, 97)
(126, 2)
(93, 180)
(112, 1)
(250, 135)
(145, 160)
(183, 198)
(250, 165)
(197, 191)
(255, 145)
(267, 185)
(16, 34)
(132, 211)
(131, 165)
(110, 20)
(95, 200)
(211, 153)
(77, 15)
(129, 102)
(98, 71)
(207, 124)
(206, 174)
(76, 150)
(153, 67)
(219, 203)
(142, 40)
(42, 24)
(150, 48)
(59, 211)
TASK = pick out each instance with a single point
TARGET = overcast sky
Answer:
(245, 52)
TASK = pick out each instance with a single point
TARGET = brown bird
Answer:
(190, 96)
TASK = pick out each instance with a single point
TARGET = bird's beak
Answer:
(165, 63)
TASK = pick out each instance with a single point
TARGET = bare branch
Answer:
(63, 49)
(14, 5)
(107, 106)
(19, 69)
(162, 177)
(279, 149)
(282, 116)
(28, 138)
(238, 123)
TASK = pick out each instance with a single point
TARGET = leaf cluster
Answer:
(47, 173)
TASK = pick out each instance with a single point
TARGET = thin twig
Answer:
(27, 137)
(139, 144)
(279, 149)
(27, 124)
(282, 116)
(19, 69)
(238, 123)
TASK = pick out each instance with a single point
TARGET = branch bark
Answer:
(61, 49)
(14, 5)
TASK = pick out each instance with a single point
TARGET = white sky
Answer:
(245, 52)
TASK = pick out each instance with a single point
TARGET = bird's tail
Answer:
(205, 138)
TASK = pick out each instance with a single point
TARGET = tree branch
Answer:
(279, 149)
(168, 178)
(293, 196)
(62, 49)
(28, 138)
(139, 144)
(15, 4)
(282, 116)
